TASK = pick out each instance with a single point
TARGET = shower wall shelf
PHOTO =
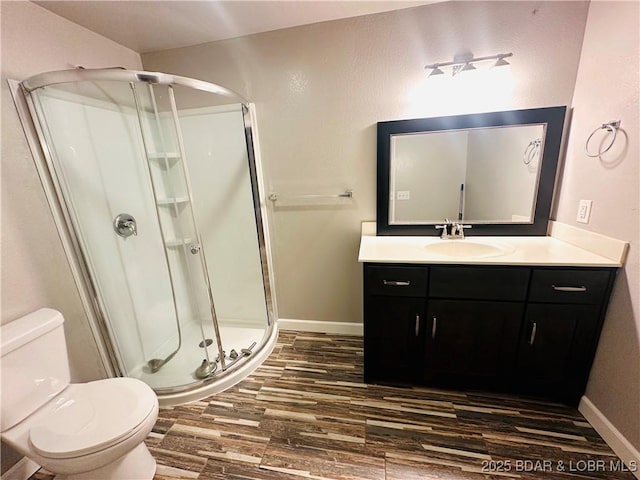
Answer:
(163, 202)
(179, 242)
(165, 160)
(162, 156)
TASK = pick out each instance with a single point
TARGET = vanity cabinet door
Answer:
(393, 339)
(555, 350)
(471, 343)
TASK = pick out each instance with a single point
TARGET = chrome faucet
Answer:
(445, 233)
(457, 230)
(452, 230)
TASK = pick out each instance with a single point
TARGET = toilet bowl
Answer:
(90, 431)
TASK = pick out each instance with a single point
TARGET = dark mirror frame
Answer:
(553, 117)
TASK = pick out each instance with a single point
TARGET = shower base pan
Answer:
(180, 370)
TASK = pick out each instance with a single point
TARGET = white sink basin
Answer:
(464, 248)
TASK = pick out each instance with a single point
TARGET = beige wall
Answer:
(35, 272)
(607, 89)
(320, 89)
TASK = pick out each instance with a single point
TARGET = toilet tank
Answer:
(34, 364)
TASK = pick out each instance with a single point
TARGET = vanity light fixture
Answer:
(467, 67)
(436, 71)
(501, 62)
(464, 62)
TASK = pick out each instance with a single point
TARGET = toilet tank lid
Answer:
(23, 330)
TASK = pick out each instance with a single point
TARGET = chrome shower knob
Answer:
(125, 225)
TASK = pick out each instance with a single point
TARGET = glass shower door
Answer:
(217, 143)
(171, 187)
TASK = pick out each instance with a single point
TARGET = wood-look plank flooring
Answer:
(305, 413)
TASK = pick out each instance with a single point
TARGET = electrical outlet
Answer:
(584, 211)
(404, 194)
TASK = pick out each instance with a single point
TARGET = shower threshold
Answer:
(180, 371)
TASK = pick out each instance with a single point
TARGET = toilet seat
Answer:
(91, 417)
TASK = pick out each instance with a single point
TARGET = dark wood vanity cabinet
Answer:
(474, 317)
(394, 331)
(394, 340)
(554, 354)
(470, 343)
(529, 330)
(560, 331)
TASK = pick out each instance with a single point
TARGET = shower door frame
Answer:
(21, 92)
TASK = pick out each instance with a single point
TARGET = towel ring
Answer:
(530, 151)
(612, 126)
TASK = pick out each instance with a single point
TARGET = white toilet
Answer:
(91, 431)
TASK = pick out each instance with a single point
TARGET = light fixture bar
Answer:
(498, 57)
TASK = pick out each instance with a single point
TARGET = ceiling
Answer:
(150, 25)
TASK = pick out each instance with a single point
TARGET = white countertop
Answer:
(535, 251)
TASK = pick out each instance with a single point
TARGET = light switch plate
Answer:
(404, 194)
(584, 211)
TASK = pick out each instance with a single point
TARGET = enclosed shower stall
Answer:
(156, 178)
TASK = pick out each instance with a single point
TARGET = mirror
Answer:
(494, 171)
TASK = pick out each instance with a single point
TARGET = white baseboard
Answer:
(22, 470)
(340, 328)
(610, 434)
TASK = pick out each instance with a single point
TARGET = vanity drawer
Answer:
(396, 281)
(479, 283)
(569, 286)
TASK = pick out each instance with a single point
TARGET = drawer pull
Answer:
(581, 288)
(534, 329)
(434, 327)
(417, 325)
(397, 283)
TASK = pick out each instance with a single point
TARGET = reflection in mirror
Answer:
(495, 171)
(476, 175)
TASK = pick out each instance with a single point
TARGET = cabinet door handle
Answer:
(534, 329)
(434, 328)
(581, 288)
(397, 283)
(417, 325)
